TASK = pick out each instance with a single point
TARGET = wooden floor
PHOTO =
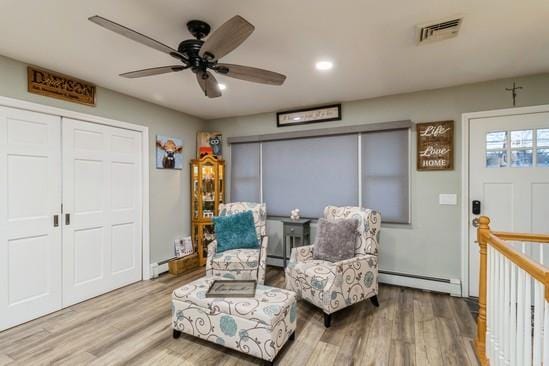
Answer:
(132, 326)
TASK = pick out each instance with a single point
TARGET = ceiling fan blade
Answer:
(226, 38)
(136, 36)
(252, 74)
(152, 71)
(207, 82)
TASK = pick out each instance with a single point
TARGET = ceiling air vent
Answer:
(437, 31)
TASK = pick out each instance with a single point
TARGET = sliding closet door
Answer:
(102, 209)
(30, 197)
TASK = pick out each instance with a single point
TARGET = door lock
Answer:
(475, 222)
(67, 219)
(55, 220)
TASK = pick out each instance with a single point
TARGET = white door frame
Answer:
(466, 118)
(35, 107)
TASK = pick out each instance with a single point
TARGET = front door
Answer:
(30, 204)
(509, 176)
(102, 209)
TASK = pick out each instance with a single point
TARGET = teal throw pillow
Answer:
(235, 231)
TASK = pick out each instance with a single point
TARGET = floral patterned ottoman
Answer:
(258, 326)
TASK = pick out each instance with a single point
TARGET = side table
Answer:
(295, 233)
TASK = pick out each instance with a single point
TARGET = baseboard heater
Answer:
(445, 285)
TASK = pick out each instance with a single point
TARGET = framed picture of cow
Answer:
(169, 153)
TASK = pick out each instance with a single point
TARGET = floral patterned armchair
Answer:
(241, 264)
(334, 286)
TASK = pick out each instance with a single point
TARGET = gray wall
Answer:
(169, 189)
(431, 245)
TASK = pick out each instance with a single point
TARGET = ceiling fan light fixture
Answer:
(221, 86)
(324, 65)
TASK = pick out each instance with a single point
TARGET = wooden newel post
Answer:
(483, 234)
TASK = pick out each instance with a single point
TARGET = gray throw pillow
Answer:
(335, 239)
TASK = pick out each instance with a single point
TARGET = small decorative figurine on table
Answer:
(294, 214)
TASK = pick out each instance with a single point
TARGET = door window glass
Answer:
(496, 149)
(521, 158)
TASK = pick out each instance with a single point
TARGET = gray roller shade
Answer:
(385, 165)
(309, 174)
(245, 173)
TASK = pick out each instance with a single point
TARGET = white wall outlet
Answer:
(447, 199)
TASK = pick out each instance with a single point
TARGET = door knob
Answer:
(475, 222)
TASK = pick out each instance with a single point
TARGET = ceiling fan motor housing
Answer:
(190, 49)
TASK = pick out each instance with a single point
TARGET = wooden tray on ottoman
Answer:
(232, 288)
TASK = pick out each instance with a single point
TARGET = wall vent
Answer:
(439, 30)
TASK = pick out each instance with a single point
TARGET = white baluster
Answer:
(506, 312)
(539, 303)
(520, 316)
(497, 288)
(489, 301)
(527, 314)
(501, 301)
(513, 317)
(546, 335)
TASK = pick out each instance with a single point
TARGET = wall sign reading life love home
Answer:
(435, 145)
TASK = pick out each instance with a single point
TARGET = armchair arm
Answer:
(212, 249)
(301, 254)
(262, 259)
(360, 261)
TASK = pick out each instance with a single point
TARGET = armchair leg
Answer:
(375, 301)
(327, 320)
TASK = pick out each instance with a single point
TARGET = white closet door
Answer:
(102, 209)
(30, 196)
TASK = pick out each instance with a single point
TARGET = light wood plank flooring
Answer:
(132, 326)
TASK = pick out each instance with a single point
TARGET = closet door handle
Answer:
(67, 219)
(55, 220)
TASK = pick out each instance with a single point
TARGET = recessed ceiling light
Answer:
(324, 65)
(222, 86)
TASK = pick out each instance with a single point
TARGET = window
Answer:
(521, 148)
(385, 174)
(245, 180)
(496, 149)
(312, 169)
(310, 174)
(542, 151)
(524, 148)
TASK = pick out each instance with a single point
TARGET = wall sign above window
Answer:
(435, 145)
(309, 115)
(55, 85)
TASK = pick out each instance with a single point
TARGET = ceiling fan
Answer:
(201, 56)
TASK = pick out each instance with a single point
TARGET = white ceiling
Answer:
(372, 44)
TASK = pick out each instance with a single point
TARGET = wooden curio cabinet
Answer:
(207, 192)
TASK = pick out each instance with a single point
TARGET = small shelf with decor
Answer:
(207, 192)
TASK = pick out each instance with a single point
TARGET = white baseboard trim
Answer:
(453, 287)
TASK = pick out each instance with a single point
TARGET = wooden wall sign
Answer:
(435, 145)
(55, 85)
(309, 115)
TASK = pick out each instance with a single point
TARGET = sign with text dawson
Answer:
(56, 85)
(435, 145)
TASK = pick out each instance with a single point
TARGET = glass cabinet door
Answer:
(221, 180)
(208, 190)
(195, 192)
